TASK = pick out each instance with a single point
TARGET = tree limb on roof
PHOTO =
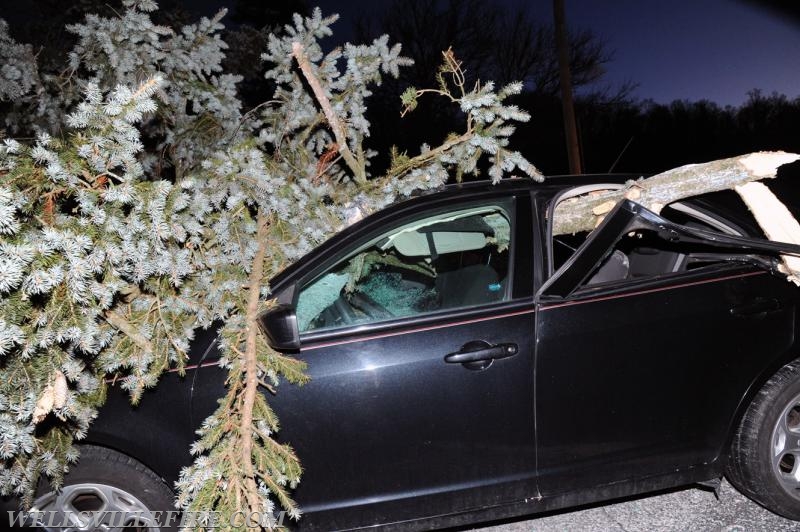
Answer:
(584, 213)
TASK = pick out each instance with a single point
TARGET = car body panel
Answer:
(159, 430)
(616, 389)
(403, 413)
(654, 384)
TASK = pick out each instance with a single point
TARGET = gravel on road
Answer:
(689, 510)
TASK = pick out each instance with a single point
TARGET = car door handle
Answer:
(759, 308)
(478, 350)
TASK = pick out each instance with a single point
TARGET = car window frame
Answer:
(567, 193)
(687, 207)
(727, 262)
(629, 215)
(508, 201)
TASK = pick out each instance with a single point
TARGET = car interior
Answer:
(449, 261)
(645, 254)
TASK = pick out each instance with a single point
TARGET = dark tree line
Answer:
(662, 136)
(493, 43)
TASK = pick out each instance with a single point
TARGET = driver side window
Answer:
(453, 260)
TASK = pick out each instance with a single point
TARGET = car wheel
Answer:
(105, 490)
(765, 455)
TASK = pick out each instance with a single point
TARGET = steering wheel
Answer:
(369, 306)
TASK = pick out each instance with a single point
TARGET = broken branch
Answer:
(250, 364)
(582, 213)
(339, 131)
(128, 329)
(776, 221)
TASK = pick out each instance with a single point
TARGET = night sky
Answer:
(709, 49)
(683, 49)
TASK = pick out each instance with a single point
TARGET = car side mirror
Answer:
(279, 325)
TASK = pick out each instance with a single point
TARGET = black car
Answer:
(467, 365)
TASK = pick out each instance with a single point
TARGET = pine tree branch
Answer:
(419, 160)
(339, 131)
(119, 321)
(584, 213)
(146, 88)
(250, 364)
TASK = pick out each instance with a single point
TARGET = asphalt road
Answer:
(689, 510)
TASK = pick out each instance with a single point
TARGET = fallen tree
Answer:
(156, 206)
(741, 173)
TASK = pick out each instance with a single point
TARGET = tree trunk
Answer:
(584, 213)
(567, 104)
(776, 221)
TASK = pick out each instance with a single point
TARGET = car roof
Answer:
(551, 181)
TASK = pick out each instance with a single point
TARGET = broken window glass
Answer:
(454, 260)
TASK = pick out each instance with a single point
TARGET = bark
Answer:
(339, 131)
(565, 79)
(250, 364)
(584, 213)
(119, 321)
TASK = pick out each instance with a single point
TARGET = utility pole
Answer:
(568, 108)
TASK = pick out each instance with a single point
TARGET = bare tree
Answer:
(493, 42)
(427, 27)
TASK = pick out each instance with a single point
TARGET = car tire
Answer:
(765, 454)
(104, 481)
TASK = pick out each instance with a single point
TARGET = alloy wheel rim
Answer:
(92, 507)
(785, 449)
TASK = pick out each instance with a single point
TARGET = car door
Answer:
(418, 336)
(641, 376)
